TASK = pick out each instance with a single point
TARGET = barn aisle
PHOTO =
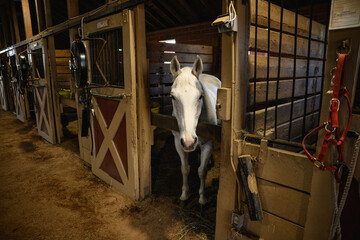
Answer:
(46, 192)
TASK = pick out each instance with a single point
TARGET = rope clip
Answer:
(326, 128)
(334, 99)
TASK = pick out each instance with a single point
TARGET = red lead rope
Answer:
(332, 134)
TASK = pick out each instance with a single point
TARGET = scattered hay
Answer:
(202, 227)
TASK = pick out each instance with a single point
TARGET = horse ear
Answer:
(174, 66)
(198, 67)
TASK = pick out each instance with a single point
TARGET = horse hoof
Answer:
(184, 197)
(202, 201)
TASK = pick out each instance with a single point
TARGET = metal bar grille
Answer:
(111, 58)
(307, 70)
(267, 70)
(294, 72)
(255, 64)
(278, 74)
(286, 55)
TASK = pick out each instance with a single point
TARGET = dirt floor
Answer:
(46, 192)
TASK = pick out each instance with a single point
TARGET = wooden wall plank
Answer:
(285, 89)
(313, 104)
(160, 78)
(311, 122)
(274, 228)
(287, 67)
(160, 90)
(287, 43)
(182, 57)
(62, 62)
(179, 48)
(283, 202)
(208, 131)
(63, 53)
(279, 166)
(317, 32)
(165, 68)
(62, 69)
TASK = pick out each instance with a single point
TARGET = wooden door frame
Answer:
(44, 82)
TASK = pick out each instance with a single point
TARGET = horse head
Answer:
(187, 94)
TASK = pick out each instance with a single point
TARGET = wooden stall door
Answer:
(3, 94)
(114, 108)
(19, 103)
(19, 100)
(42, 93)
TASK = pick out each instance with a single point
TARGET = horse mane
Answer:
(210, 84)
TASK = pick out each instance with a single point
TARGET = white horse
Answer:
(193, 97)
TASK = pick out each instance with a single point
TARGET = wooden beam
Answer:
(73, 11)
(143, 104)
(27, 18)
(114, 7)
(233, 69)
(205, 130)
(15, 21)
(40, 14)
(52, 67)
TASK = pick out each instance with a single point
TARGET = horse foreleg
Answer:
(206, 151)
(185, 168)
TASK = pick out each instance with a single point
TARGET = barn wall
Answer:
(201, 33)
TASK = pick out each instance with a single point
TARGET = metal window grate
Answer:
(111, 59)
(288, 68)
(38, 62)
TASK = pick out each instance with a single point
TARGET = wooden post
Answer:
(5, 28)
(40, 15)
(73, 11)
(143, 103)
(27, 18)
(15, 21)
(233, 75)
(54, 96)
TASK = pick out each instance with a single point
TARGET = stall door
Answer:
(114, 107)
(2, 93)
(42, 93)
(19, 100)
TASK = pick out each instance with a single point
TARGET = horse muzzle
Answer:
(189, 146)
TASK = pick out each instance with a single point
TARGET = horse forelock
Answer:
(186, 80)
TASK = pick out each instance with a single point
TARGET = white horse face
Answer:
(187, 94)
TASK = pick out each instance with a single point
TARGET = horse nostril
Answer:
(182, 142)
(195, 140)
